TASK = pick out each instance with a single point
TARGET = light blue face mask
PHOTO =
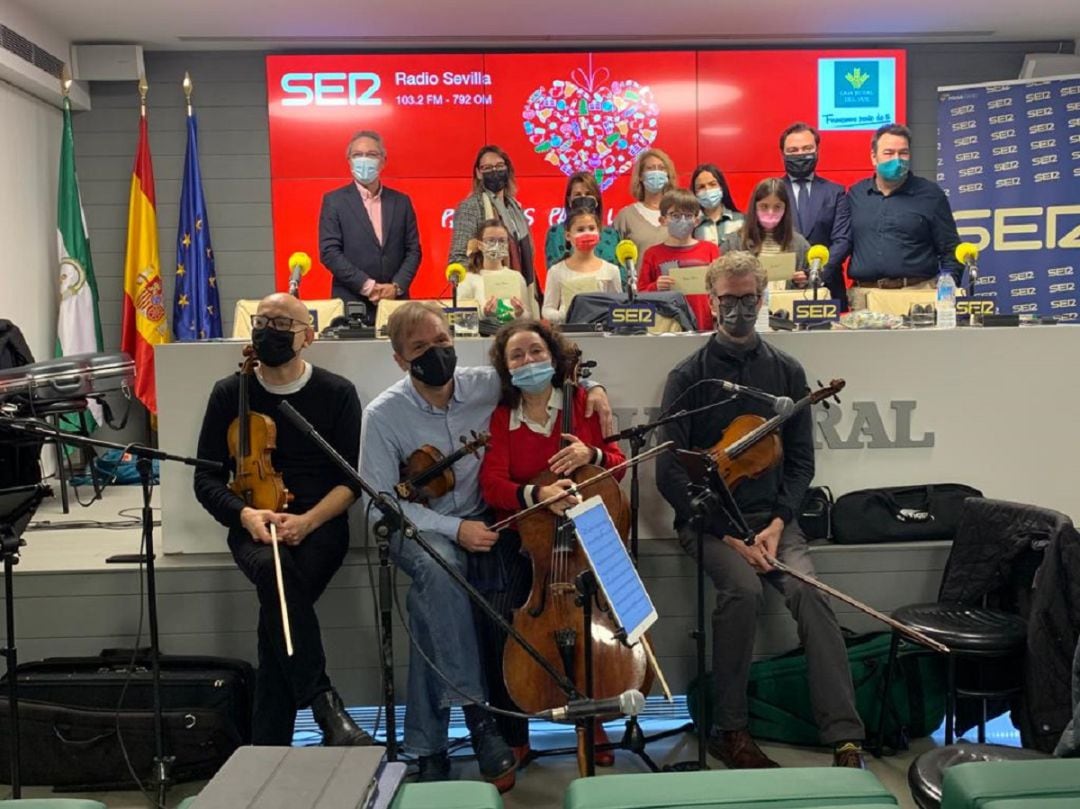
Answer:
(894, 170)
(654, 180)
(534, 377)
(710, 198)
(680, 228)
(365, 169)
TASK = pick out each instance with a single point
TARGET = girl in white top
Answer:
(489, 252)
(565, 278)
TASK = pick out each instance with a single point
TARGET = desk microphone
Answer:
(628, 703)
(626, 253)
(818, 256)
(781, 405)
(455, 274)
(968, 254)
(299, 266)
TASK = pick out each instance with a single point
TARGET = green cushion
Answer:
(731, 789)
(187, 803)
(974, 785)
(1033, 803)
(447, 795)
(51, 803)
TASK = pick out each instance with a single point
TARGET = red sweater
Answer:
(661, 257)
(514, 458)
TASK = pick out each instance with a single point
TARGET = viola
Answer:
(427, 474)
(551, 619)
(252, 438)
(750, 445)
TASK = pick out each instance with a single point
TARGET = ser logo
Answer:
(332, 89)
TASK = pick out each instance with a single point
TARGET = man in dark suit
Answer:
(367, 232)
(821, 205)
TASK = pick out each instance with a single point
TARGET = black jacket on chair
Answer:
(1026, 560)
(349, 249)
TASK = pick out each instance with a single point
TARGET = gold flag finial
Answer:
(188, 87)
(65, 80)
(144, 88)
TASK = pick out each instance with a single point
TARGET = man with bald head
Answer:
(313, 531)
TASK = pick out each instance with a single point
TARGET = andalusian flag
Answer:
(78, 328)
(144, 296)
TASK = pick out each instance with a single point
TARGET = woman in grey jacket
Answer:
(493, 197)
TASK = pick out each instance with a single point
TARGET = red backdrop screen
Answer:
(556, 113)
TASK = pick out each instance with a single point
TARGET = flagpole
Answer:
(188, 86)
(144, 88)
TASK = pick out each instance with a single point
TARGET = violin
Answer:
(550, 619)
(427, 474)
(252, 438)
(750, 446)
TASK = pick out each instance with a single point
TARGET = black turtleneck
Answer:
(777, 493)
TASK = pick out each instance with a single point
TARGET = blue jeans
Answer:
(441, 623)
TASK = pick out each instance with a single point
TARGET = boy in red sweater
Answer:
(679, 212)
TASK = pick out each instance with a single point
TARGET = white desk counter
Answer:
(993, 408)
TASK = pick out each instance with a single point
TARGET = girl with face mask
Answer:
(720, 218)
(582, 270)
(653, 175)
(489, 253)
(494, 197)
(582, 191)
(769, 229)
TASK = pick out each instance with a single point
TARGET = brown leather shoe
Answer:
(849, 754)
(738, 750)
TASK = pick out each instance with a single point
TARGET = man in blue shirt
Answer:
(902, 228)
(434, 404)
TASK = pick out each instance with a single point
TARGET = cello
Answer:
(252, 438)
(551, 619)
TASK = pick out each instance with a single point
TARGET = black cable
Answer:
(377, 607)
(413, 642)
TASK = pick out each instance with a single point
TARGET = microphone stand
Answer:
(393, 520)
(160, 779)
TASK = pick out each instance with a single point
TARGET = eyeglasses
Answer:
(493, 167)
(277, 322)
(681, 217)
(730, 301)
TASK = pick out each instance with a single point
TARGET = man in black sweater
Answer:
(770, 503)
(314, 531)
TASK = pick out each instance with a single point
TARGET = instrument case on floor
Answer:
(68, 717)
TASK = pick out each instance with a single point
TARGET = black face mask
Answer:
(800, 166)
(738, 320)
(496, 181)
(435, 367)
(273, 347)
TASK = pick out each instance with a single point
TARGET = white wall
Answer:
(29, 156)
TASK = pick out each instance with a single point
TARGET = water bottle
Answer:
(946, 301)
(762, 324)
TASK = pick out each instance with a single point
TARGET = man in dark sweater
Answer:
(770, 503)
(314, 530)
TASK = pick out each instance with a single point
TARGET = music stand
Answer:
(708, 493)
(17, 506)
(631, 608)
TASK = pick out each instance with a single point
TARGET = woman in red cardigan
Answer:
(533, 361)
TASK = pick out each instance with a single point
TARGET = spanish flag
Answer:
(144, 296)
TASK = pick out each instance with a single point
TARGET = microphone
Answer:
(968, 254)
(299, 266)
(628, 703)
(455, 274)
(818, 256)
(626, 253)
(781, 405)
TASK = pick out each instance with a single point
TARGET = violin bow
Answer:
(281, 591)
(909, 632)
(644, 456)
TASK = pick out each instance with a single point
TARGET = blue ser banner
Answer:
(1009, 161)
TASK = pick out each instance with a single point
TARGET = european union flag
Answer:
(196, 313)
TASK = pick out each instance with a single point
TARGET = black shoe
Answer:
(338, 728)
(435, 767)
(493, 755)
